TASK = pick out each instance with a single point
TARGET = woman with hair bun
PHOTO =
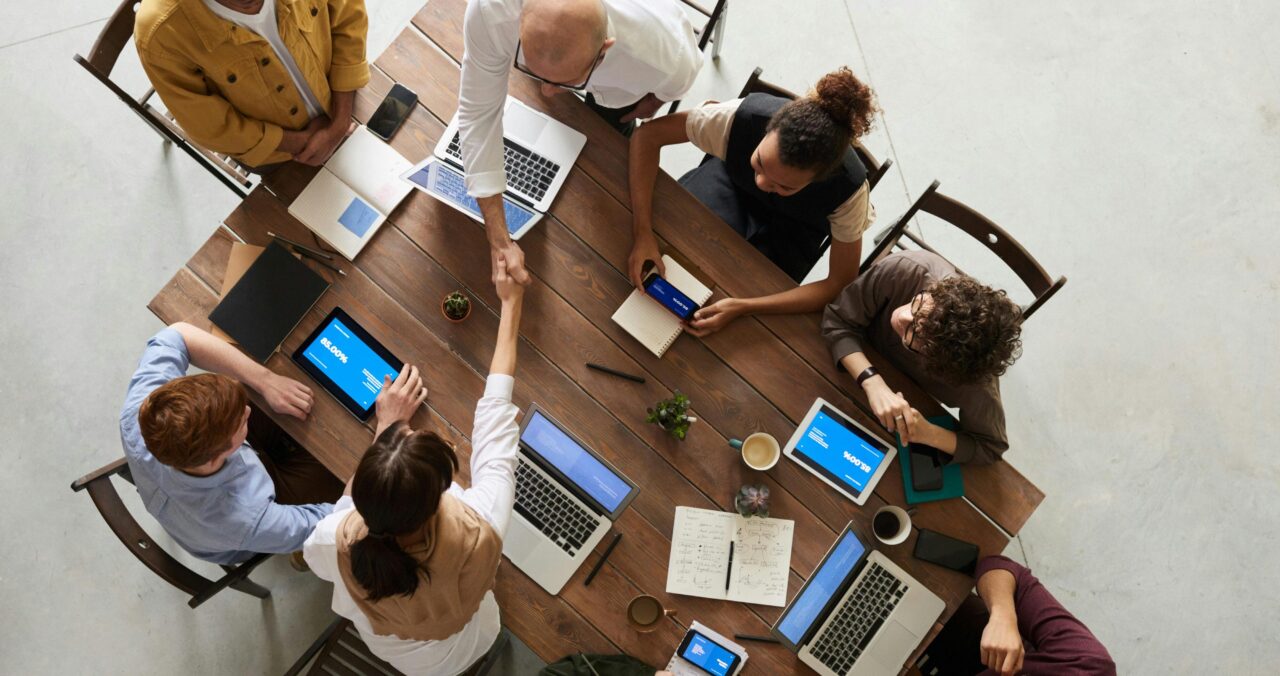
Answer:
(414, 556)
(781, 173)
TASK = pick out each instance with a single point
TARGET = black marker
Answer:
(614, 372)
(603, 557)
(729, 573)
(318, 254)
(758, 639)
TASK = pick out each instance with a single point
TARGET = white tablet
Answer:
(841, 452)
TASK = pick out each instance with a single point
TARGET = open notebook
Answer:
(348, 200)
(650, 323)
(723, 555)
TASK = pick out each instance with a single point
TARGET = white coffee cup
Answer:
(899, 535)
(760, 450)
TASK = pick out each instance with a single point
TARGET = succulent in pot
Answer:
(753, 500)
(455, 306)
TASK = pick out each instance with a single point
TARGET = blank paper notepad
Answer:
(699, 564)
(653, 325)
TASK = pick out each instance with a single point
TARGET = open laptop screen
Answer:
(575, 462)
(805, 610)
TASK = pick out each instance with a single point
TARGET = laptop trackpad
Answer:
(522, 126)
(894, 643)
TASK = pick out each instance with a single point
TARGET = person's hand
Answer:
(508, 290)
(645, 108)
(1001, 644)
(323, 142)
(714, 317)
(285, 396)
(891, 409)
(399, 399)
(644, 250)
(510, 257)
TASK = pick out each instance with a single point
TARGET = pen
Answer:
(758, 639)
(316, 254)
(600, 564)
(307, 253)
(614, 372)
(729, 573)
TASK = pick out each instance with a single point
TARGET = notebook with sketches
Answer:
(701, 543)
(357, 188)
(678, 666)
(650, 323)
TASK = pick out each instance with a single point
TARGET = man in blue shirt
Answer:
(185, 436)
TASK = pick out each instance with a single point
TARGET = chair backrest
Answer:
(114, 36)
(340, 650)
(713, 17)
(121, 522)
(875, 169)
(980, 228)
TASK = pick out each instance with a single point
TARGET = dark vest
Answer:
(812, 205)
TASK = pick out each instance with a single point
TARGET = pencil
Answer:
(318, 254)
(758, 639)
(614, 372)
(307, 253)
(604, 557)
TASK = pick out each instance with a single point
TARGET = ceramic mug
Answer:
(760, 450)
(891, 525)
(644, 613)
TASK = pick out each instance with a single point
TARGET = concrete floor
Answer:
(1131, 146)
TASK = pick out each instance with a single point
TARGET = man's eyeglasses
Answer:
(571, 87)
(909, 336)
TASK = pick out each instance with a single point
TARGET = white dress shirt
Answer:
(494, 442)
(656, 52)
(263, 24)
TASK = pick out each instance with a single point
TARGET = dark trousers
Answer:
(614, 115)
(299, 478)
(1056, 643)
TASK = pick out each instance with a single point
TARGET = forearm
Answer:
(504, 353)
(495, 221)
(996, 588)
(808, 298)
(642, 173)
(940, 438)
(292, 142)
(342, 104)
(211, 354)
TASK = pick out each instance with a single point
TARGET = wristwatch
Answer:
(868, 373)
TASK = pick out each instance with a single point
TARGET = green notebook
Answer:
(952, 481)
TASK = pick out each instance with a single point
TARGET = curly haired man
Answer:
(948, 332)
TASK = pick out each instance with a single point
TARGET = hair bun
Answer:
(847, 100)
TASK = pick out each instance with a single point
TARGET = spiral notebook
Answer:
(650, 323)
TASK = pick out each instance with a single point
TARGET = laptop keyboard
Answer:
(527, 172)
(858, 618)
(544, 504)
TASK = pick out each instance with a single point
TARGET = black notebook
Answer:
(268, 301)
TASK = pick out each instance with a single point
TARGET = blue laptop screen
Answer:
(575, 462)
(445, 183)
(840, 451)
(823, 584)
(349, 363)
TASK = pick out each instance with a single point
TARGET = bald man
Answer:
(627, 56)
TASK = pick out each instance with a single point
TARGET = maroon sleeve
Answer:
(1057, 642)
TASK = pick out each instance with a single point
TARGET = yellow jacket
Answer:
(225, 86)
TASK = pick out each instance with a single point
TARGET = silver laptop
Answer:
(539, 151)
(567, 498)
(858, 614)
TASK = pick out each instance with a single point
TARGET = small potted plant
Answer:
(753, 500)
(672, 415)
(456, 307)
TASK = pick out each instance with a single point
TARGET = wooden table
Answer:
(759, 374)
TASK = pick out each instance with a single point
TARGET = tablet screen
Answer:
(840, 450)
(347, 362)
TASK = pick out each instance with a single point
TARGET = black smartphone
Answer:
(699, 650)
(926, 467)
(669, 296)
(946, 551)
(392, 112)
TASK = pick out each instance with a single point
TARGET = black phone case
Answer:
(926, 469)
(967, 550)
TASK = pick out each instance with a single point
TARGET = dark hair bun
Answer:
(849, 101)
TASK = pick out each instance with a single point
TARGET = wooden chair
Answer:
(340, 650)
(979, 227)
(711, 32)
(102, 60)
(107, 500)
(875, 170)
